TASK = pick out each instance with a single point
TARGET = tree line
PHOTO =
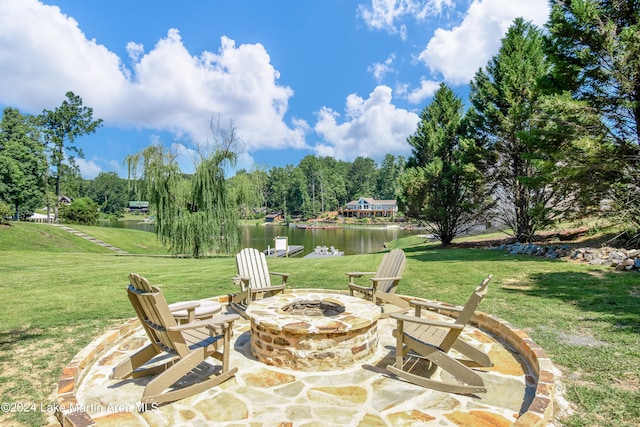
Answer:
(551, 132)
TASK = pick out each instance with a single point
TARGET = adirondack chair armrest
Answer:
(380, 279)
(242, 281)
(360, 288)
(271, 288)
(219, 320)
(428, 322)
(375, 280)
(434, 306)
(284, 276)
(356, 274)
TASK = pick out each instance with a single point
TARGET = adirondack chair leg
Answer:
(155, 390)
(473, 383)
(127, 366)
(240, 298)
(478, 357)
(182, 393)
(435, 385)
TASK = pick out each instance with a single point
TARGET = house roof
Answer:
(372, 201)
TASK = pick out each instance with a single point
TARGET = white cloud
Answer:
(459, 52)
(166, 88)
(387, 14)
(88, 168)
(381, 69)
(373, 128)
(435, 8)
(426, 90)
(43, 54)
(135, 51)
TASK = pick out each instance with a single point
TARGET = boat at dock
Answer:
(316, 227)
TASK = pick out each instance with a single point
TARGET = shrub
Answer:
(80, 211)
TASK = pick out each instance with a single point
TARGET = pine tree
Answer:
(442, 185)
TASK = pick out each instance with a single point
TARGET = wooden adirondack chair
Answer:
(432, 340)
(383, 283)
(254, 279)
(185, 346)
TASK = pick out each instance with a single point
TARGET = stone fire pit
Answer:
(311, 331)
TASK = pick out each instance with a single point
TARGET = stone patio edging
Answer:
(540, 413)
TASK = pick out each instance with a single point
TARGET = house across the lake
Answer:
(138, 207)
(274, 217)
(366, 207)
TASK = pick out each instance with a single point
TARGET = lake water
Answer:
(350, 240)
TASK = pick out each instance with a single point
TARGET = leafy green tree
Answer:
(443, 186)
(110, 192)
(23, 163)
(326, 183)
(71, 182)
(277, 190)
(391, 169)
(287, 192)
(595, 46)
(62, 126)
(248, 191)
(361, 178)
(195, 215)
(5, 212)
(506, 98)
(333, 183)
(81, 211)
(313, 170)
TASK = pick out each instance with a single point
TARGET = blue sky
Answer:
(330, 78)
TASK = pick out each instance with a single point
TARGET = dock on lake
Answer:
(289, 251)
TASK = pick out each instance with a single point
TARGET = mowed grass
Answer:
(54, 301)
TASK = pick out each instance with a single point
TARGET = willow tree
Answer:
(194, 214)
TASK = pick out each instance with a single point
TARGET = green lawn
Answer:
(58, 292)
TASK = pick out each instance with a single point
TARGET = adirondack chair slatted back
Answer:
(154, 314)
(467, 312)
(392, 265)
(253, 263)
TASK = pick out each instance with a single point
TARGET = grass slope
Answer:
(58, 294)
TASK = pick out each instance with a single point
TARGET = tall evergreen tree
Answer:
(595, 46)
(387, 183)
(361, 178)
(442, 186)
(506, 98)
(62, 127)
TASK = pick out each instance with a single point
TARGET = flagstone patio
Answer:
(521, 387)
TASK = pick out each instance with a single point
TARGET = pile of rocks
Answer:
(549, 251)
(620, 259)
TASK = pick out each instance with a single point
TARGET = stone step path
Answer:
(92, 239)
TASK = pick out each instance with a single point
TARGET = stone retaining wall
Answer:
(619, 259)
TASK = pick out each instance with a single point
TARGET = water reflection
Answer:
(350, 240)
